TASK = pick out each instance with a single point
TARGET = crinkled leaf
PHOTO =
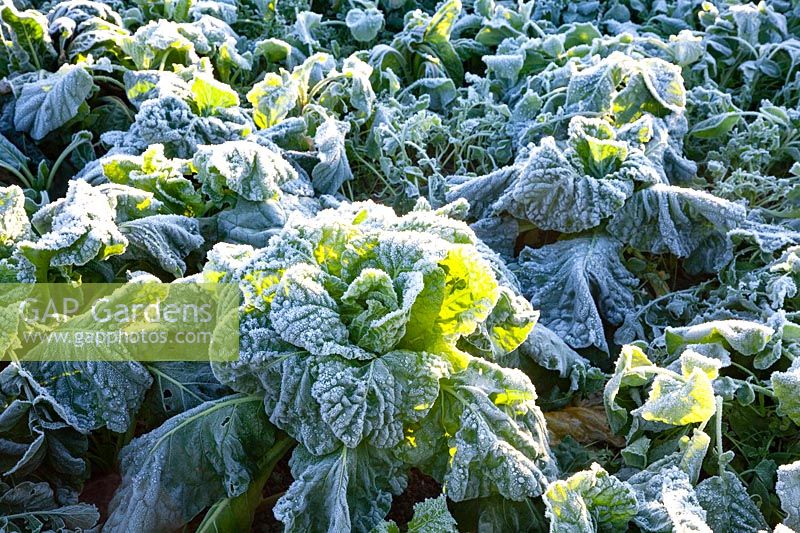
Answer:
(252, 171)
(14, 224)
(577, 283)
(501, 442)
(552, 194)
(348, 490)
(74, 230)
(788, 489)
(665, 218)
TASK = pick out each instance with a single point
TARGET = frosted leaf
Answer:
(157, 174)
(665, 218)
(509, 325)
(590, 500)
(679, 402)
(171, 474)
(333, 168)
(48, 103)
(252, 171)
(306, 315)
(166, 239)
(364, 24)
(130, 203)
(728, 505)
(552, 194)
(359, 402)
(90, 395)
(347, 490)
(786, 386)
(788, 489)
(27, 505)
(747, 338)
(74, 230)
(501, 444)
(577, 283)
(14, 224)
(666, 500)
(254, 223)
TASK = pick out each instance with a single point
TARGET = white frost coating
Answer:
(728, 505)
(550, 193)
(562, 278)
(250, 170)
(166, 239)
(194, 459)
(665, 218)
(788, 489)
(786, 386)
(745, 337)
(351, 322)
(333, 168)
(14, 224)
(499, 446)
(48, 103)
(75, 229)
(666, 500)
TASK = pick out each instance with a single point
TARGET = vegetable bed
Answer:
(504, 266)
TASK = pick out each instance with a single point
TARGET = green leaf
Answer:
(430, 516)
(500, 445)
(677, 402)
(631, 370)
(589, 501)
(437, 34)
(653, 86)
(238, 512)
(747, 338)
(665, 218)
(193, 460)
(209, 94)
(152, 172)
(786, 386)
(30, 41)
(74, 230)
(333, 168)
(48, 103)
(11, 156)
(273, 98)
(29, 506)
(578, 283)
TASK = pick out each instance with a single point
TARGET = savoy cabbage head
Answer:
(350, 326)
